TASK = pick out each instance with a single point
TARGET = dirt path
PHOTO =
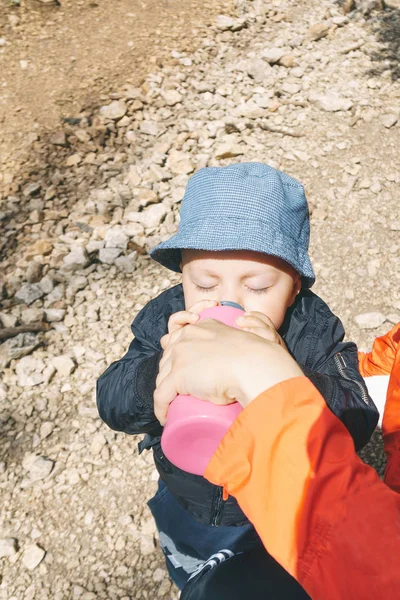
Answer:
(58, 58)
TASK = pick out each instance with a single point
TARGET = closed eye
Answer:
(258, 291)
(205, 289)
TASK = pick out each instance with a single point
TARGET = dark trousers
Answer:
(188, 544)
(252, 575)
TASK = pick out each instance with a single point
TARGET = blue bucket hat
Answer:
(245, 206)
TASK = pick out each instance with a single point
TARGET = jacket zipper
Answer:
(217, 506)
(341, 365)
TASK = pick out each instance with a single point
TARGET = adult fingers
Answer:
(202, 305)
(180, 319)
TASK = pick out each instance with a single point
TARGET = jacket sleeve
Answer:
(386, 352)
(125, 390)
(332, 366)
(381, 358)
(320, 511)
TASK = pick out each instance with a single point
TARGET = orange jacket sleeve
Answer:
(383, 359)
(320, 511)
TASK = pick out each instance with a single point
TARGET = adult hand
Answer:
(218, 363)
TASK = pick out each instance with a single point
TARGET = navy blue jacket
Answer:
(313, 336)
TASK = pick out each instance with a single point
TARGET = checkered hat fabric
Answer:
(245, 206)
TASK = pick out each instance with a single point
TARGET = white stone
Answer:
(8, 320)
(29, 292)
(29, 371)
(180, 163)
(389, 120)
(108, 255)
(229, 148)
(223, 22)
(64, 364)
(149, 127)
(127, 263)
(40, 468)
(273, 55)
(54, 315)
(76, 259)
(172, 97)
(331, 102)
(291, 88)
(147, 197)
(46, 429)
(370, 320)
(133, 229)
(116, 238)
(133, 177)
(98, 442)
(114, 111)
(8, 547)
(33, 556)
(153, 216)
(251, 110)
(94, 246)
(146, 545)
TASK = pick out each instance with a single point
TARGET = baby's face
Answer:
(256, 281)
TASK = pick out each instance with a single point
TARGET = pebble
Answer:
(273, 55)
(58, 138)
(64, 365)
(98, 443)
(318, 31)
(109, 255)
(150, 128)
(33, 556)
(39, 467)
(46, 429)
(39, 248)
(76, 259)
(371, 320)
(8, 547)
(114, 111)
(34, 272)
(331, 102)
(127, 263)
(153, 216)
(172, 97)
(54, 315)
(116, 238)
(224, 23)
(180, 163)
(29, 292)
(389, 120)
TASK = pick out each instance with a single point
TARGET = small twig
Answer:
(282, 131)
(355, 46)
(10, 332)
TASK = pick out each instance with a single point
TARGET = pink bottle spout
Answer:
(195, 427)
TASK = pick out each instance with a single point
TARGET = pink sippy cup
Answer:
(194, 427)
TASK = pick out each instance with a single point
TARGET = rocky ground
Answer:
(297, 84)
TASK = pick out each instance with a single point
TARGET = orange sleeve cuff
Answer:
(381, 358)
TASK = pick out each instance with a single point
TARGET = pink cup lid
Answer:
(194, 427)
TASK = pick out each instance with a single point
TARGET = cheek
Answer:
(273, 305)
(191, 294)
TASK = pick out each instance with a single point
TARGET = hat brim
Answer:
(232, 234)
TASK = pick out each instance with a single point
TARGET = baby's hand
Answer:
(259, 324)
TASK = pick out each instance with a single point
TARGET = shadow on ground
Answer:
(386, 26)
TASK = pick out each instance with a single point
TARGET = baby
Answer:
(243, 237)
